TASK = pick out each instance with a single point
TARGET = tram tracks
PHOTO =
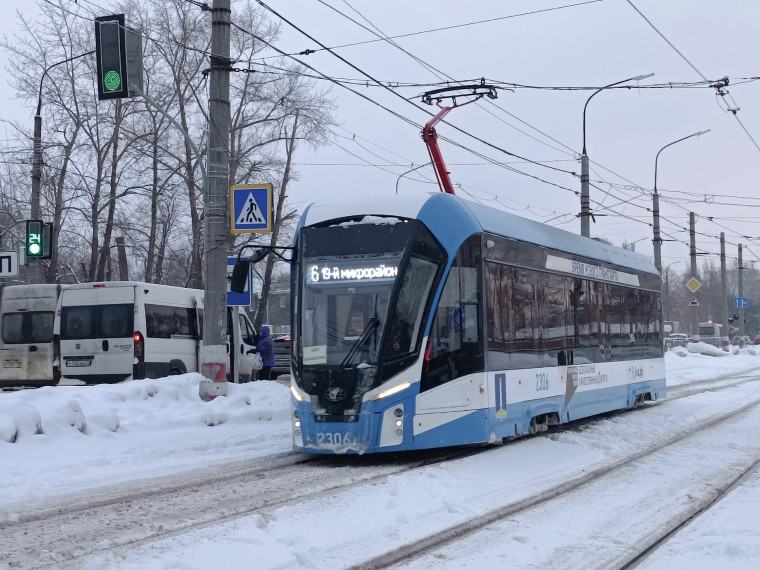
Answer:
(63, 535)
(683, 520)
(408, 554)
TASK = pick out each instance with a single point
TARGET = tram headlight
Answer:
(296, 394)
(390, 391)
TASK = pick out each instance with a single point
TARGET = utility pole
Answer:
(693, 256)
(723, 290)
(216, 211)
(741, 292)
(657, 241)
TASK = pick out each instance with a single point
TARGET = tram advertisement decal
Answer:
(501, 395)
(583, 375)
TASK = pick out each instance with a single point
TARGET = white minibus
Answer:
(26, 335)
(122, 330)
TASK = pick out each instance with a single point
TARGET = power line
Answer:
(439, 73)
(324, 48)
(719, 86)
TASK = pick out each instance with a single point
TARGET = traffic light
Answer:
(39, 238)
(118, 56)
(34, 230)
(47, 240)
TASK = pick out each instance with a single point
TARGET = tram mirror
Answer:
(469, 322)
(239, 276)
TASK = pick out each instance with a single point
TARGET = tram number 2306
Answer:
(542, 381)
(336, 439)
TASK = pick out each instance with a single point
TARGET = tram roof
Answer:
(456, 219)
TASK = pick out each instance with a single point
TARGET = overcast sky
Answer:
(561, 43)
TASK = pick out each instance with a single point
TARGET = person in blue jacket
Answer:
(265, 347)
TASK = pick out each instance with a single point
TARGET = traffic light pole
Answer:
(36, 211)
(216, 217)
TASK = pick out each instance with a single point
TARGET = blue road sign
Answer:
(251, 208)
(741, 302)
(243, 298)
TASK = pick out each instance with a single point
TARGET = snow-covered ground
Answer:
(56, 441)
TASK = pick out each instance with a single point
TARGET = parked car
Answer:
(676, 339)
(281, 356)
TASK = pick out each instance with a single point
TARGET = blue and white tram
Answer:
(432, 321)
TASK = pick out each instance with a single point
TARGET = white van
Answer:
(26, 334)
(123, 330)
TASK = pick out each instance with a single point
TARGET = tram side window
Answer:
(579, 320)
(552, 309)
(598, 322)
(623, 319)
(499, 314)
(455, 343)
(648, 334)
(525, 345)
(616, 320)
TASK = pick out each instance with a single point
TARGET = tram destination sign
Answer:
(350, 272)
(591, 271)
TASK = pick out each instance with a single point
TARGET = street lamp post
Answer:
(36, 211)
(656, 204)
(585, 200)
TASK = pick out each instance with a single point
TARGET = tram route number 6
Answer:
(542, 381)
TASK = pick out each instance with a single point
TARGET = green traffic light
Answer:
(35, 249)
(112, 80)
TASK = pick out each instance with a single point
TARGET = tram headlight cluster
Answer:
(392, 430)
(399, 412)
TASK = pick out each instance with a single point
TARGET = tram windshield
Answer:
(365, 288)
(345, 307)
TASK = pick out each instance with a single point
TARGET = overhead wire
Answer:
(621, 201)
(325, 48)
(720, 89)
(439, 73)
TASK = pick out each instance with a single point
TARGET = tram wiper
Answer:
(373, 323)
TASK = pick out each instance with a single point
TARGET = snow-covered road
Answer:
(168, 445)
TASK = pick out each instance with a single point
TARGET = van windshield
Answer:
(27, 327)
(97, 321)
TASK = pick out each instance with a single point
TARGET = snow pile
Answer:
(61, 437)
(165, 404)
(706, 349)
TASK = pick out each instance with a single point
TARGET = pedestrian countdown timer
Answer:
(251, 208)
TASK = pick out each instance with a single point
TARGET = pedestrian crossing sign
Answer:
(251, 208)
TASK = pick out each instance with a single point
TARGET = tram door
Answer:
(452, 375)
